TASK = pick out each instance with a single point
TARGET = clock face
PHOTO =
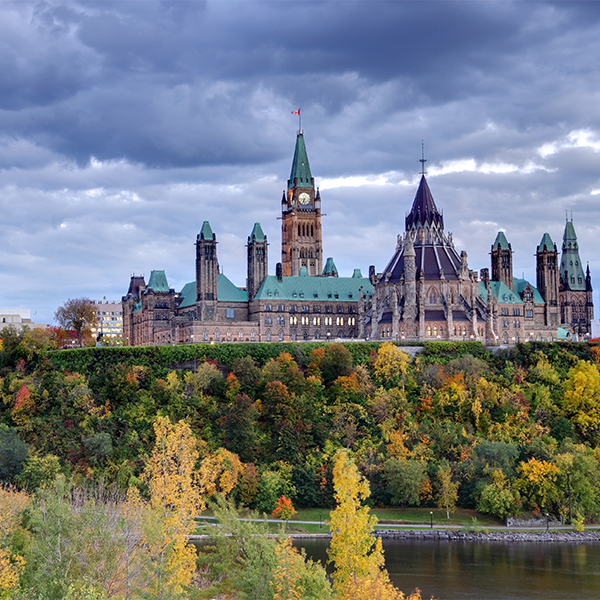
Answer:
(304, 198)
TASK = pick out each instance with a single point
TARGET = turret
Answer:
(207, 273)
(502, 267)
(258, 260)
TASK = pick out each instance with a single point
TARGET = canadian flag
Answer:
(296, 112)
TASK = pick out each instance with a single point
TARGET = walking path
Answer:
(420, 526)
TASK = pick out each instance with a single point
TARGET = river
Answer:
(488, 570)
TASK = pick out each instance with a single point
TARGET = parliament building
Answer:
(426, 291)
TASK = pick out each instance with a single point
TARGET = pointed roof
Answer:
(571, 269)
(158, 282)
(424, 209)
(330, 269)
(569, 235)
(501, 243)
(547, 244)
(300, 165)
(206, 233)
(257, 233)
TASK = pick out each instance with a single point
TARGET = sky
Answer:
(125, 125)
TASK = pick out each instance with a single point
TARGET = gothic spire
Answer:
(424, 211)
(300, 165)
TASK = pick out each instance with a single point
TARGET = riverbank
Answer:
(454, 535)
(493, 536)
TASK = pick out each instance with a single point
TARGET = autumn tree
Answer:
(174, 502)
(538, 482)
(77, 314)
(12, 504)
(582, 398)
(391, 363)
(447, 489)
(356, 554)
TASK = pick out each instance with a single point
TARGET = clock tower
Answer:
(301, 241)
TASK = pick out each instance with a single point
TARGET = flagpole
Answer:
(299, 121)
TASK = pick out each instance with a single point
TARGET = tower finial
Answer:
(423, 160)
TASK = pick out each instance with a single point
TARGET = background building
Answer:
(109, 318)
(18, 318)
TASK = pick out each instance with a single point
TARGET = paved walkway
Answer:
(420, 525)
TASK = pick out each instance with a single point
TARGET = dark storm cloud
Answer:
(124, 125)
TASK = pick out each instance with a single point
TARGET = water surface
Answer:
(488, 571)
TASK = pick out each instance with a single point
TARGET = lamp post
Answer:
(547, 522)
(431, 518)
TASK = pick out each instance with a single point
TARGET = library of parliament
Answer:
(426, 291)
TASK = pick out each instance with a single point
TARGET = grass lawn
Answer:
(395, 516)
(462, 516)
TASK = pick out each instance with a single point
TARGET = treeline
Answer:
(503, 432)
(64, 542)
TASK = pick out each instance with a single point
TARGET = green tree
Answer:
(498, 498)
(77, 314)
(404, 479)
(13, 452)
(39, 471)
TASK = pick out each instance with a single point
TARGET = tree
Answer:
(175, 502)
(538, 482)
(284, 509)
(497, 498)
(77, 314)
(12, 504)
(13, 452)
(404, 479)
(582, 398)
(358, 556)
(391, 363)
(447, 489)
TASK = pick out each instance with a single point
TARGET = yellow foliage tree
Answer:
(582, 397)
(538, 482)
(219, 472)
(391, 362)
(12, 504)
(295, 577)
(174, 502)
(358, 556)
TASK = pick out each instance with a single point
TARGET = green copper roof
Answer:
(501, 291)
(158, 281)
(257, 233)
(500, 243)
(313, 289)
(569, 234)
(571, 269)
(188, 295)
(357, 273)
(546, 244)
(519, 286)
(206, 232)
(300, 166)
(330, 268)
(228, 292)
(137, 307)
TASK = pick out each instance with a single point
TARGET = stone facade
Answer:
(428, 292)
(302, 301)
